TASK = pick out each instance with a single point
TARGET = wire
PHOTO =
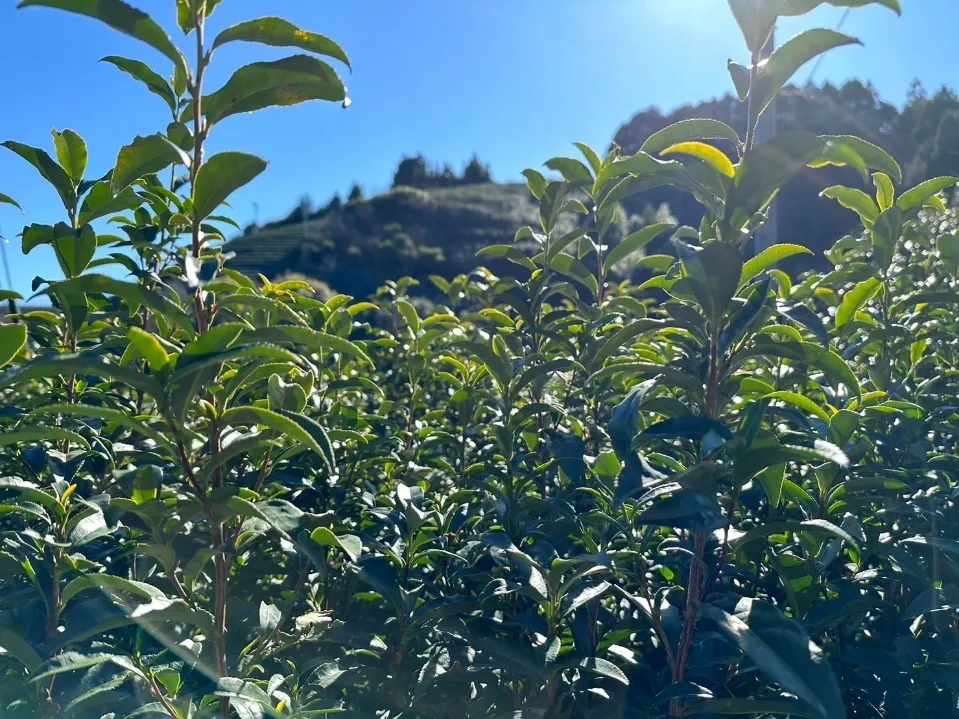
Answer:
(815, 68)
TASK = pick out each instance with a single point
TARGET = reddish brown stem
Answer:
(694, 583)
(693, 589)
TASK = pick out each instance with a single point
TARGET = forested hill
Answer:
(355, 247)
(435, 220)
(923, 136)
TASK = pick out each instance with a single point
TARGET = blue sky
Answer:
(514, 80)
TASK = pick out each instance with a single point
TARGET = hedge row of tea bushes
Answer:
(725, 492)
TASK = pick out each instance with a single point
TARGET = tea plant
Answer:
(724, 491)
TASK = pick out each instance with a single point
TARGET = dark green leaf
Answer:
(100, 202)
(872, 156)
(351, 545)
(690, 427)
(634, 242)
(713, 273)
(7, 200)
(49, 171)
(855, 200)
(596, 665)
(153, 81)
(75, 249)
(855, 298)
(776, 71)
(802, 315)
(281, 33)
(624, 421)
(144, 156)
(948, 246)
(71, 154)
(121, 17)
(914, 198)
(746, 317)
(265, 84)
(835, 369)
(61, 365)
(756, 19)
(135, 294)
(297, 427)
(782, 651)
(818, 527)
(220, 176)
(12, 340)
(688, 130)
(685, 509)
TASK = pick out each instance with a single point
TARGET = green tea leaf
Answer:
(687, 131)
(835, 369)
(296, 426)
(756, 19)
(7, 200)
(144, 156)
(770, 256)
(75, 249)
(855, 200)
(775, 71)
(133, 293)
(148, 347)
(13, 338)
(153, 81)
(60, 365)
(41, 434)
(948, 246)
(71, 154)
(351, 545)
(281, 33)
(280, 83)
(713, 272)
(800, 401)
(885, 192)
(101, 201)
(220, 176)
(873, 156)
(781, 650)
(855, 298)
(120, 17)
(49, 171)
(914, 198)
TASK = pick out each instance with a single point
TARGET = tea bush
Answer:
(722, 492)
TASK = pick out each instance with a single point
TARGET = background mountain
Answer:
(434, 219)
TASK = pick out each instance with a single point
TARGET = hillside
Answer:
(356, 247)
(437, 229)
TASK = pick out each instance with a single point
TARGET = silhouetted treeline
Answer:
(417, 172)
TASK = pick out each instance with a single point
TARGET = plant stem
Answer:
(198, 138)
(694, 583)
(751, 122)
(221, 561)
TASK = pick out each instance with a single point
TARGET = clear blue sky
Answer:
(514, 80)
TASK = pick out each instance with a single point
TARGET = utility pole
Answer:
(766, 130)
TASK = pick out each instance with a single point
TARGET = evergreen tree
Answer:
(476, 173)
